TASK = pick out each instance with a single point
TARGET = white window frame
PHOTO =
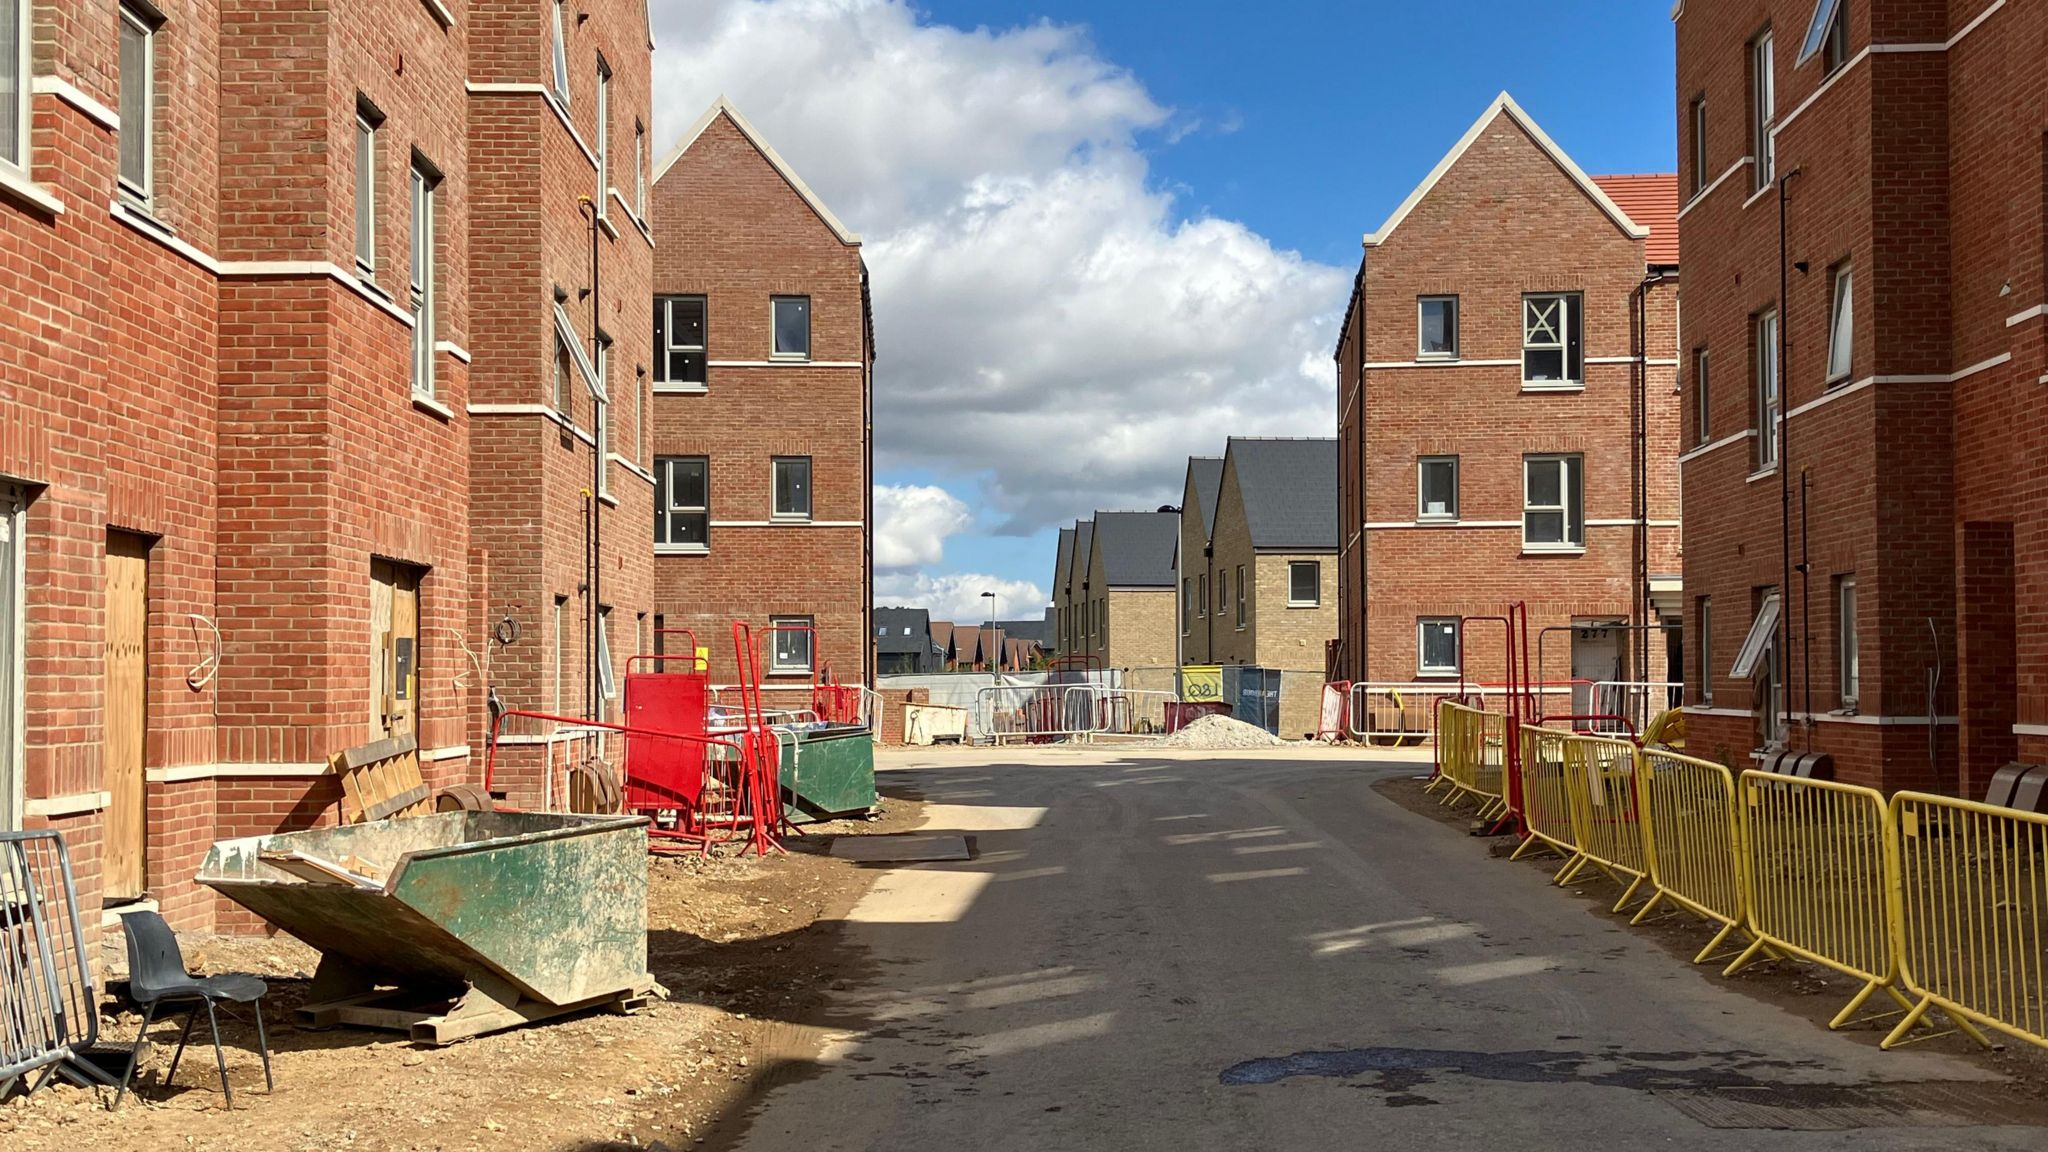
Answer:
(1769, 388)
(601, 419)
(1848, 643)
(607, 681)
(563, 364)
(144, 124)
(1762, 633)
(367, 124)
(1242, 614)
(1827, 35)
(1422, 512)
(421, 291)
(1574, 523)
(1704, 661)
(1422, 303)
(1570, 307)
(1763, 107)
(1700, 173)
(1423, 668)
(639, 171)
(776, 665)
(21, 113)
(775, 304)
(1703, 400)
(664, 377)
(1315, 568)
(1841, 322)
(775, 489)
(561, 634)
(1201, 595)
(560, 60)
(604, 136)
(663, 466)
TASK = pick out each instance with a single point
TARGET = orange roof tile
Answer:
(1651, 201)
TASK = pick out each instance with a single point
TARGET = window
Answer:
(639, 170)
(607, 682)
(1552, 355)
(1828, 35)
(14, 85)
(792, 487)
(1222, 590)
(1304, 583)
(1704, 673)
(368, 119)
(1436, 324)
(601, 419)
(1698, 121)
(561, 640)
(1202, 595)
(679, 341)
(1701, 398)
(1841, 325)
(604, 136)
(138, 102)
(643, 415)
(1436, 646)
(1436, 488)
(1240, 596)
(1763, 108)
(1767, 390)
(422, 289)
(682, 501)
(791, 649)
(564, 370)
(792, 327)
(1187, 603)
(1761, 631)
(1757, 662)
(1848, 662)
(561, 58)
(1553, 503)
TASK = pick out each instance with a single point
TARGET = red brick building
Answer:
(1487, 376)
(1859, 409)
(764, 359)
(241, 348)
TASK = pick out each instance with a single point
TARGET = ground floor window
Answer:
(1436, 645)
(794, 644)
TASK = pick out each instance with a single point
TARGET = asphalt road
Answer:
(1264, 953)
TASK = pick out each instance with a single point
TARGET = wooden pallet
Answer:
(381, 780)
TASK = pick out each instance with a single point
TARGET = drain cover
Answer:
(1841, 1107)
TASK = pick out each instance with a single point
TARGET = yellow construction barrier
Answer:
(1470, 752)
(1546, 803)
(1972, 894)
(1693, 837)
(1579, 798)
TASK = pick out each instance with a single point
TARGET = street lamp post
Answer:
(995, 631)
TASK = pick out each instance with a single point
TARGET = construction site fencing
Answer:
(1692, 831)
(1973, 891)
(1045, 712)
(48, 1016)
(1636, 701)
(1402, 714)
(1471, 752)
(1579, 797)
(1546, 801)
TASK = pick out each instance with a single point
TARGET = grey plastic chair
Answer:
(157, 979)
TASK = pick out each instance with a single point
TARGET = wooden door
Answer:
(126, 715)
(394, 649)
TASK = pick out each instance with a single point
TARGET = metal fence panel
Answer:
(1693, 835)
(46, 1002)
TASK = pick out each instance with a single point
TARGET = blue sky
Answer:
(1105, 235)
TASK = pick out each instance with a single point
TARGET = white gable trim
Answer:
(1506, 103)
(724, 107)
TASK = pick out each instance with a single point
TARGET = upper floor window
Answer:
(1240, 596)
(1828, 35)
(1436, 324)
(14, 85)
(1768, 394)
(1436, 485)
(792, 487)
(679, 340)
(682, 501)
(1553, 353)
(1841, 324)
(1187, 603)
(601, 418)
(564, 370)
(604, 135)
(1553, 503)
(1701, 398)
(1698, 121)
(368, 121)
(560, 56)
(139, 26)
(424, 180)
(792, 327)
(1848, 651)
(1763, 108)
(1304, 583)
(639, 170)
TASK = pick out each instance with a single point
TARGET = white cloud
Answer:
(957, 597)
(912, 522)
(1049, 329)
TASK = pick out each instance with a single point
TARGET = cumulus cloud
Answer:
(957, 596)
(1051, 331)
(912, 522)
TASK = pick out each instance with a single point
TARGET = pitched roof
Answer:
(1652, 201)
(942, 636)
(1289, 489)
(1205, 480)
(722, 106)
(899, 630)
(1137, 547)
(1084, 549)
(1063, 562)
(1032, 631)
(1505, 103)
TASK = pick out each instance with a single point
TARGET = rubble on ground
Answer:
(1221, 733)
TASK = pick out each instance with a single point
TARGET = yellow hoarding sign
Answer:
(1201, 683)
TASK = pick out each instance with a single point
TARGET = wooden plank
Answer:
(411, 797)
(387, 749)
(381, 579)
(126, 716)
(405, 627)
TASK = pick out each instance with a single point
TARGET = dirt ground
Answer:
(1805, 990)
(746, 948)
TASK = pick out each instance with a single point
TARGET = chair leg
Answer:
(183, 1037)
(134, 1054)
(263, 1046)
(220, 1058)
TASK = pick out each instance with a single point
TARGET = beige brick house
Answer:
(1261, 588)
(1127, 600)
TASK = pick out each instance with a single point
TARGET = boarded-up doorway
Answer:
(126, 716)
(394, 649)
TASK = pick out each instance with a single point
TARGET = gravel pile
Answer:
(1221, 733)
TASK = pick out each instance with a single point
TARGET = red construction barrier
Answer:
(1179, 715)
(664, 787)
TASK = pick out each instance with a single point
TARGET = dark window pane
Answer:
(660, 341)
(684, 367)
(1544, 491)
(687, 318)
(135, 101)
(1575, 368)
(1544, 527)
(792, 326)
(1543, 364)
(687, 479)
(689, 528)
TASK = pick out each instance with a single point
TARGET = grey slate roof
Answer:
(1084, 547)
(1037, 631)
(892, 624)
(1289, 489)
(1205, 476)
(1137, 547)
(1063, 563)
